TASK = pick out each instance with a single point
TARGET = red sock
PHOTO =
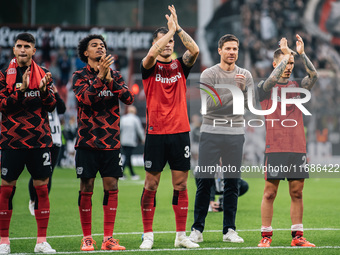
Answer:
(148, 206)
(42, 213)
(85, 211)
(180, 204)
(110, 203)
(6, 196)
(267, 234)
(297, 233)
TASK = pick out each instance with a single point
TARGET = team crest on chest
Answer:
(174, 65)
(12, 71)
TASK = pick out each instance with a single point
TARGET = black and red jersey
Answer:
(98, 109)
(24, 122)
(165, 91)
(289, 136)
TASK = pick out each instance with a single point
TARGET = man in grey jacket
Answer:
(222, 137)
(130, 131)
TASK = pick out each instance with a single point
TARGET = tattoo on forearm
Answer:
(308, 64)
(158, 48)
(309, 81)
(275, 75)
(190, 55)
(187, 40)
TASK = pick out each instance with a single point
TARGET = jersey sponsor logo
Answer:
(148, 164)
(11, 71)
(4, 171)
(168, 80)
(80, 170)
(174, 65)
(105, 93)
(33, 93)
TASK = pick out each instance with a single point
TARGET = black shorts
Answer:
(172, 148)
(107, 162)
(281, 165)
(37, 161)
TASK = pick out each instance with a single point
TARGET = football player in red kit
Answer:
(285, 146)
(167, 130)
(98, 90)
(26, 98)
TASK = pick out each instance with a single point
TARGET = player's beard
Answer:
(229, 61)
(98, 58)
(24, 61)
(165, 55)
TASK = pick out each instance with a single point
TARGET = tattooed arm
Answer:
(190, 56)
(280, 67)
(309, 81)
(159, 45)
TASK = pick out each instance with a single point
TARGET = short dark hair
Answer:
(278, 52)
(161, 30)
(83, 43)
(227, 38)
(27, 37)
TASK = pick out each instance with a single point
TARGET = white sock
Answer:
(297, 227)
(149, 234)
(266, 229)
(180, 234)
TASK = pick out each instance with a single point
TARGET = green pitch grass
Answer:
(321, 200)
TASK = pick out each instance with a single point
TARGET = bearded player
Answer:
(285, 146)
(167, 130)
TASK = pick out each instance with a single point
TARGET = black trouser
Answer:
(127, 151)
(242, 189)
(55, 150)
(212, 148)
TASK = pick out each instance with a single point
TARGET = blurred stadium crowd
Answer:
(262, 23)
